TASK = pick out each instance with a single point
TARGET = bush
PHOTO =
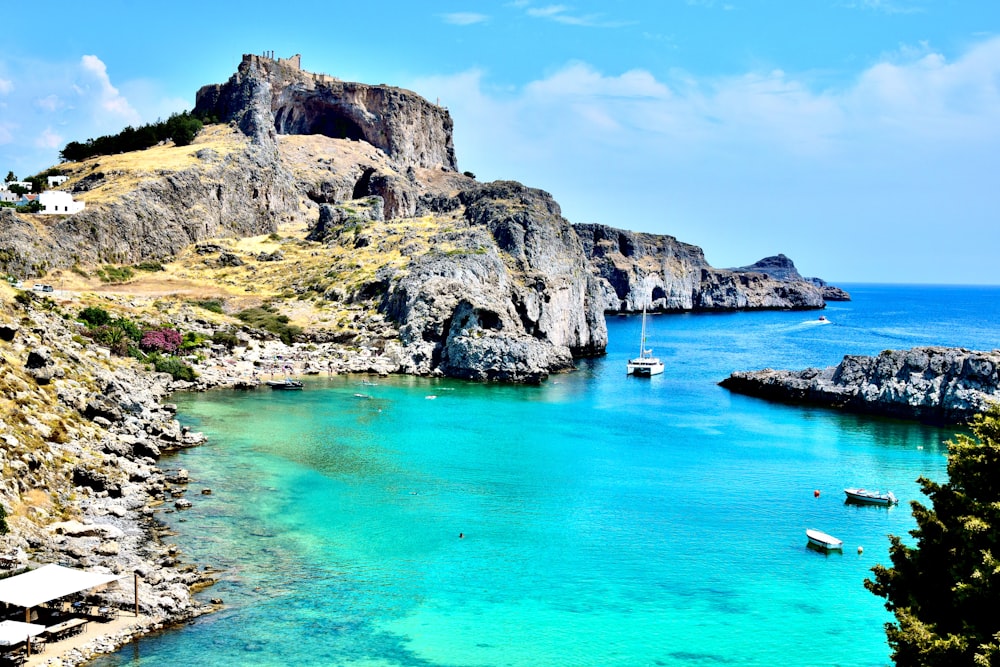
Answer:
(211, 305)
(115, 274)
(227, 339)
(4, 528)
(177, 369)
(94, 316)
(148, 266)
(268, 319)
(161, 340)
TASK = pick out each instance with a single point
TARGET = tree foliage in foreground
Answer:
(945, 591)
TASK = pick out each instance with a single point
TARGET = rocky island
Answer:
(932, 384)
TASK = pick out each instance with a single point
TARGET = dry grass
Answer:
(126, 171)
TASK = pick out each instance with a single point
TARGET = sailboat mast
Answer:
(642, 340)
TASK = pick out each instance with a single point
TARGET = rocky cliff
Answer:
(664, 274)
(152, 204)
(932, 384)
(267, 96)
(782, 268)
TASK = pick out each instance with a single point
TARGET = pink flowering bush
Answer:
(165, 340)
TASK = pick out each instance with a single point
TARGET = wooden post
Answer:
(136, 594)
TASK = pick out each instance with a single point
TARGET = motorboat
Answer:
(868, 497)
(287, 383)
(821, 540)
(645, 365)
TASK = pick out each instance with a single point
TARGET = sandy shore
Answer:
(98, 638)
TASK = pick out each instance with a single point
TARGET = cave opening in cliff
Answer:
(658, 294)
(324, 119)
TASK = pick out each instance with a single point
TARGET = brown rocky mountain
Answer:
(482, 281)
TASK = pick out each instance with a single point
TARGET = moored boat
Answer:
(645, 365)
(821, 540)
(287, 383)
(868, 497)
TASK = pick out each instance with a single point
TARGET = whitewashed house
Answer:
(57, 201)
(56, 181)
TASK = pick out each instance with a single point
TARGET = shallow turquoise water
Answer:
(607, 520)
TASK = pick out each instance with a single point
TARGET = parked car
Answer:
(39, 287)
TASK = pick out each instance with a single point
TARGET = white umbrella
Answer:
(15, 632)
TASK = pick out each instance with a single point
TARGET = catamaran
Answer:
(645, 365)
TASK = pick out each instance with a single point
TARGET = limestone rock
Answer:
(268, 96)
(932, 384)
(667, 275)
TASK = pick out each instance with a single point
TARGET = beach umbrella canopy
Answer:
(15, 632)
(49, 582)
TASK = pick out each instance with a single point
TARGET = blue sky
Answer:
(859, 137)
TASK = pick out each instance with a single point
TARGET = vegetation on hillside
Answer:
(182, 128)
(156, 345)
(944, 591)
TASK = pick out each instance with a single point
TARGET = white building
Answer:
(56, 181)
(57, 201)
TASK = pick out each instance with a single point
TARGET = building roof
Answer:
(49, 582)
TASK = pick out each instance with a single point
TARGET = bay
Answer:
(604, 519)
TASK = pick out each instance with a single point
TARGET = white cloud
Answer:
(108, 97)
(564, 14)
(49, 103)
(49, 139)
(6, 134)
(885, 6)
(465, 18)
(6, 86)
(912, 138)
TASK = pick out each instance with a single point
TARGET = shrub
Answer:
(94, 316)
(4, 528)
(177, 369)
(148, 266)
(115, 274)
(161, 340)
(226, 338)
(265, 317)
(211, 305)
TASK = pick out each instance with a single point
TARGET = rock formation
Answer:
(666, 275)
(267, 96)
(782, 268)
(932, 384)
(501, 293)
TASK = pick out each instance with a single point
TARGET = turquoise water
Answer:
(607, 520)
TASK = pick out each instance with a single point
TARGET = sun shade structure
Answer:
(15, 632)
(49, 582)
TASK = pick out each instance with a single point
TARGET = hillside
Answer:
(377, 237)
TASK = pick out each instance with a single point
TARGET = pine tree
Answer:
(945, 591)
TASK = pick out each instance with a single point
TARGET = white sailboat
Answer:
(645, 365)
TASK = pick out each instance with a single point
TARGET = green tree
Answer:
(945, 591)
(10, 177)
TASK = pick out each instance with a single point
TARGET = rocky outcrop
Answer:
(267, 96)
(666, 275)
(932, 384)
(512, 301)
(245, 193)
(782, 268)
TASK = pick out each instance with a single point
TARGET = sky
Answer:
(861, 138)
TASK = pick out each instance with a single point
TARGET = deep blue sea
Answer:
(607, 520)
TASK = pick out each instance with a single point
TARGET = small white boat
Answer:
(870, 497)
(821, 540)
(287, 383)
(645, 365)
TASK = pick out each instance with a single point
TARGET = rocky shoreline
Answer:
(937, 385)
(83, 432)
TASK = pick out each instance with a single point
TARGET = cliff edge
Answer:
(931, 384)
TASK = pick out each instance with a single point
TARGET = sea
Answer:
(596, 519)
